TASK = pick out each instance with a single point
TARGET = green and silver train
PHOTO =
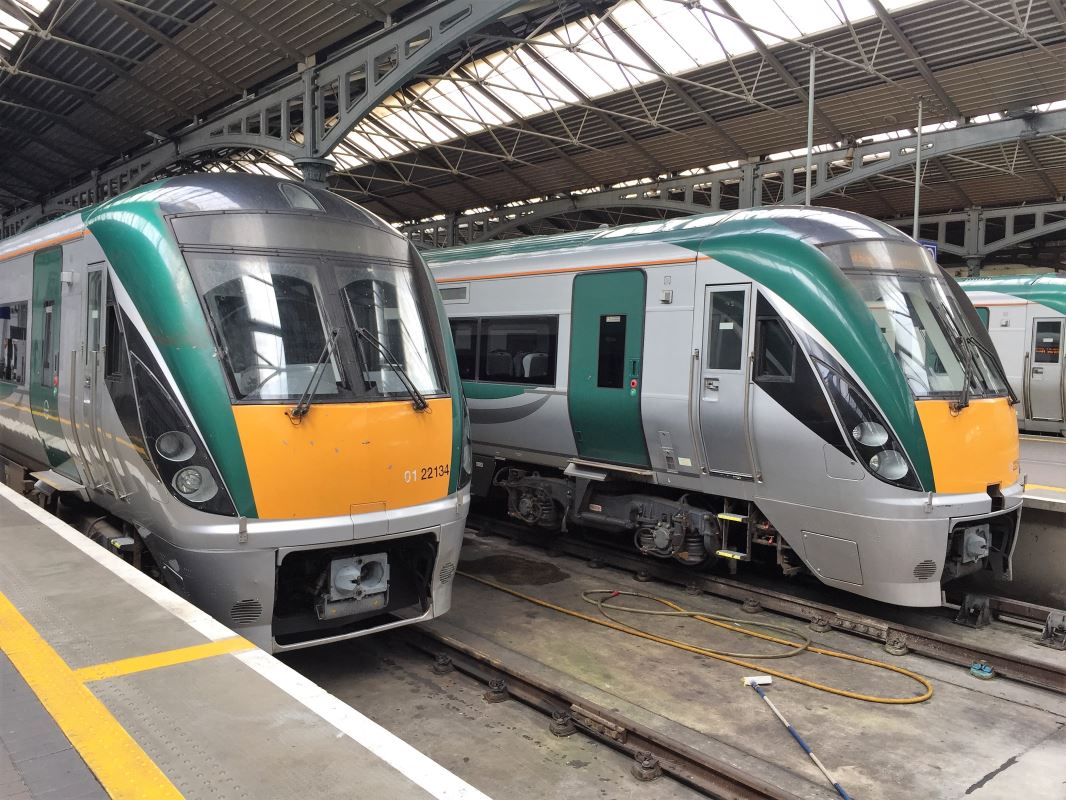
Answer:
(255, 381)
(798, 385)
(1024, 315)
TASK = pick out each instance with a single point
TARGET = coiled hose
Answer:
(600, 598)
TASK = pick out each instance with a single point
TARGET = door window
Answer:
(92, 313)
(725, 331)
(47, 365)
(1048, 342)
(775, 350)
(983, 314)
(610, 373)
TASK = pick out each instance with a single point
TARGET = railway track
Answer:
(898, 638)
(653, 752)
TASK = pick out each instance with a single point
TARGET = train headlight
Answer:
(889, 464)
(175, 446)
(871, 434)
(195, 483)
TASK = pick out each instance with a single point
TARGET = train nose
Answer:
(346, 458)
(971, 449)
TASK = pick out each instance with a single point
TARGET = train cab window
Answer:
(775, 351)
(464, 334)
(611, 363)
(518, 350)
(983, 313)
(725, 330)
(13, 342)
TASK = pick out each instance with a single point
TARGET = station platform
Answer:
(112, 686)
(1044, 468)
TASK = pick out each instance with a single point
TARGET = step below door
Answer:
(607, 338)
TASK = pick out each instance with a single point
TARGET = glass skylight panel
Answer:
(13, 22)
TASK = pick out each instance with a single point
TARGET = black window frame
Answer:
(761, 376)
(611, 361)
(480, 335)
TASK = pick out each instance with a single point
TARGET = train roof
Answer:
(1046, 288)
(814, 225)
(202, 193)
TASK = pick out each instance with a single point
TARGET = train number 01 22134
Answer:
(426, 473)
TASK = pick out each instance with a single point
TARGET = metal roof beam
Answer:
(1048, 218)
(852, 165)
(161, 38)
(919, 62)
(1040, 170)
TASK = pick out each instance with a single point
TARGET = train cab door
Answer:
(606, 344)
(46, 378)
(91, 384)
(1045, 370)
(724, 379)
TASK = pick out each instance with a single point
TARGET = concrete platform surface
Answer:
(110, 685)
(972, 739)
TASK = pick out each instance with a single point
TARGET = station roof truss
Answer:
(526, 118)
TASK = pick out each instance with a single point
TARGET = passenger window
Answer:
(725, 334)
(1048, 342)
(612, 353)
(518, 350)
(47, 376)
(464, 334)
(983, 313)
(775, 352)
(13, 342)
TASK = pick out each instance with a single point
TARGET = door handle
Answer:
(710, 384)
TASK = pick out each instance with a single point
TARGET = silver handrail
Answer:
(75, 437)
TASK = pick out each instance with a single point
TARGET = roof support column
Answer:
(315, 171)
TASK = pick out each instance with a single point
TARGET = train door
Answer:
(45, 372)
(91, 384)
(606, 342)
(1045, 370)
(723, 387)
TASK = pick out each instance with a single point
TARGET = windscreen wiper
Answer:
(994, 360)
(417, 398)
(304, 405)
(967, 378)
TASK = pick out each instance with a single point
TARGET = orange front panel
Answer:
(346, 458)
(974, 448)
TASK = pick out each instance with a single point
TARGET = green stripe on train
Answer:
(141, 249)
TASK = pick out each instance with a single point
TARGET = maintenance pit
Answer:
(973, 738)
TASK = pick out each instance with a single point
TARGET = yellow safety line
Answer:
(1029, 486)
(119, 763)
(167, 658)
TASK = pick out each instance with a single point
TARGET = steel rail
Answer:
(898, 638)
(651, 750)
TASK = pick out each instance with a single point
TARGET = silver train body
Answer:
(705, 388)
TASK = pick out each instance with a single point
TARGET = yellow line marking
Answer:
(1029, 486)
(122, 767)
(167, 658)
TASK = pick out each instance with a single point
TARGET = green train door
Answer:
(44, 360)
(606, 340)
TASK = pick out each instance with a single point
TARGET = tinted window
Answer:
(13, 342)
(775, 350)
(983, 313)
(518, 350)
(464, 334)
(612, 353)
(725, 331)
(1048, 342)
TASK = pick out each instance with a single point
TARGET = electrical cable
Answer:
(711, 619)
